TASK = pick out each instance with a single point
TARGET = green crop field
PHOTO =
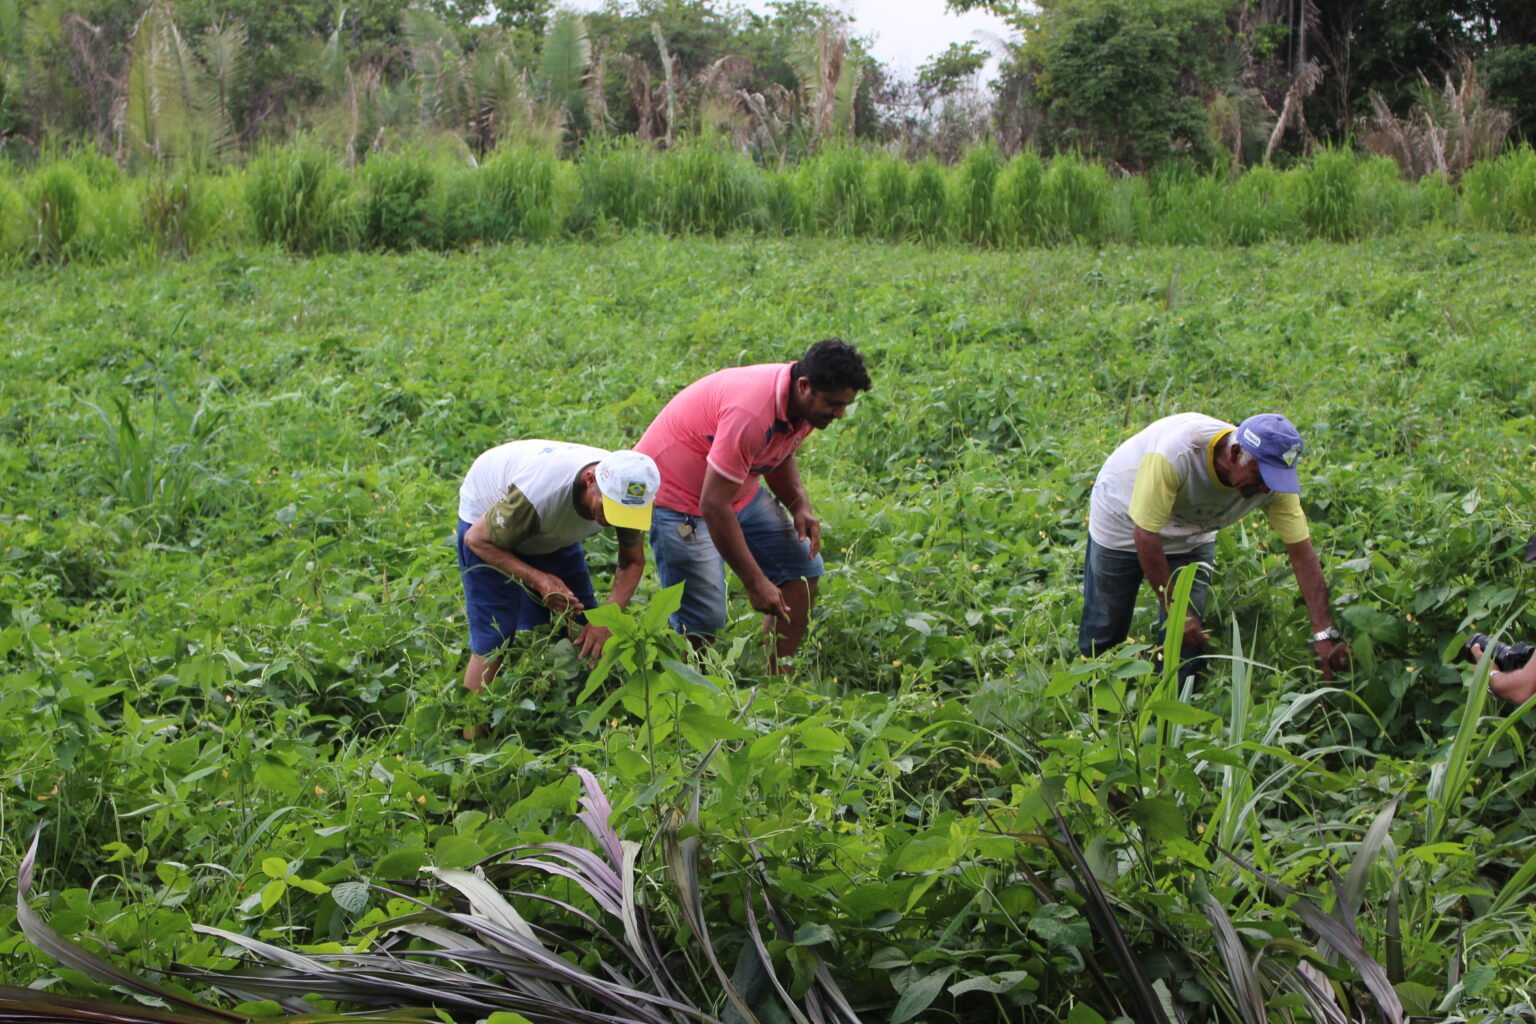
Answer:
(231, 635)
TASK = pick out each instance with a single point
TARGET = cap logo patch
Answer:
(1290, 455)
(1252, 439)
(634, 492)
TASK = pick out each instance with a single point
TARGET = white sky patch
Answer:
(904, 33)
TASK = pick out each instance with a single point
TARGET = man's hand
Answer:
(1333, 656)
(589, 643)
(1194, 632)
(554, 594)
(765, 597)
(808, 527)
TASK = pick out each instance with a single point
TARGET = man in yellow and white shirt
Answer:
(1157, 504)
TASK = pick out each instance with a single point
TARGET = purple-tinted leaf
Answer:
(595, 812)
(68, 953)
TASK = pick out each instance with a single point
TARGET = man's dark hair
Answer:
(833, 365)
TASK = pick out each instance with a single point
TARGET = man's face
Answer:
(820, 408)
(592, 496)
(1246, 478)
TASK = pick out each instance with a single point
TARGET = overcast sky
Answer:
(905, 33)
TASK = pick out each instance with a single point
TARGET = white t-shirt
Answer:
(545, 474)
(1164, 480)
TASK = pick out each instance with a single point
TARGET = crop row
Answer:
(83, 207)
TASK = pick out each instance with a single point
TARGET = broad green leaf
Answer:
(351, 896)
(994, 984)
(457, 852)
(1179, 713)
(701, 729)
(819, 737)
(1160, 817)
(920, 994)
(274, 867)
(919, 855)
(814, 934)
(689, 675)
(272, 892)
(401, 863)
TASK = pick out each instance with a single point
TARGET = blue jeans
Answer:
(1110, 581)
(686, 554)
(498, 607)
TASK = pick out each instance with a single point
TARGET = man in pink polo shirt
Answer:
(716, 443)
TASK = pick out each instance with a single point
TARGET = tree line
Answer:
(1131, 83)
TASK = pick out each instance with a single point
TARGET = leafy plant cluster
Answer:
(81, 208)
(230, 639)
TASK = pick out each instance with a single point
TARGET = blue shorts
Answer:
(498, 607)
(694, 561)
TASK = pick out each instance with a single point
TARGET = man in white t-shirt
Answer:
(524, 509)
(1157, 504)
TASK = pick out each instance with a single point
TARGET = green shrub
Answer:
(512, 196)
(888, 184)
(112, 223)
(1074, 201)
(783, 203)
(1329, 193)
(1185, 207)
(928, 203)
(617, 183)
(297, 199)
(838, 190)
(1500, 194)
(709, 189)
(1255, 210)
(975, 191)
(178, 215)
(1386, 202)
(1018, 199)
(12, 220)
(400, 207)
(55, 200)
(1439, 204)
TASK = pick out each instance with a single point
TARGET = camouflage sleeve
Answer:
(512, 520)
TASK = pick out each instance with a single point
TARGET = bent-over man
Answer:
(716, 442)
(1157, 504)
(524, 509)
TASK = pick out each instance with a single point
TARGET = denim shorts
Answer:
(498, 607)
(686, 554)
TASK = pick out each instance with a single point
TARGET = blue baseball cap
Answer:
(1273, 440)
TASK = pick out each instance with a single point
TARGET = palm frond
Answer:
(159, 120)
(223, 51)
(564, 61)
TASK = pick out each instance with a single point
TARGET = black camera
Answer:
(1507, 657)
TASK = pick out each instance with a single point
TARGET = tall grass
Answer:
(928, 203)
(618, 184)
(1500, 194)
(514, 196)
(80, 207)
(400, 204)
(1074, 201)
(297, 198)
(975, 188)
(1017, 210)
(709, 189)
(1330, 206)
(889, 178)
(836, 189)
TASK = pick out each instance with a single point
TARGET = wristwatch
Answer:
(1331, 633)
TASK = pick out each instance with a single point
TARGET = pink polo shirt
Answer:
(735, 420)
